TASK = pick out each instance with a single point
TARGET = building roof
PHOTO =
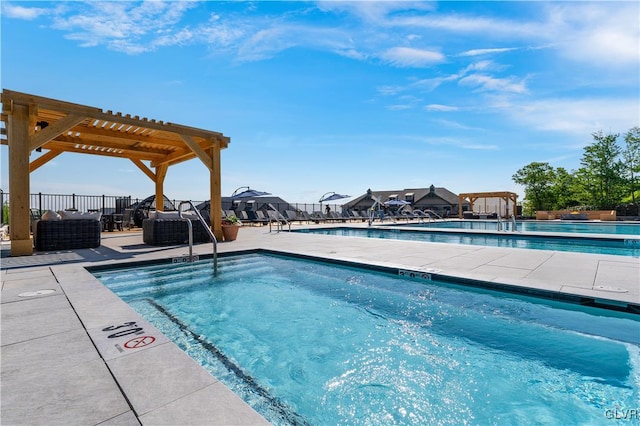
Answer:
(419, 194)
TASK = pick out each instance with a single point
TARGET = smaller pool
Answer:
(614, 246)
(538, 226)
(312, 343)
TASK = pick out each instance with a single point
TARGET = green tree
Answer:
(601, 174)
(565, 190)
(537, 179)
(631, 155)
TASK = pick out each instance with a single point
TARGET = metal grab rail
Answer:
(206, 227)
(279, 218)
(431, 212)
(376, 202)
(499, 224)
(514, 224)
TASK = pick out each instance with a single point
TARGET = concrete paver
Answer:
(54, 341)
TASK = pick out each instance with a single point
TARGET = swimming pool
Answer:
(537, 226)
(615, 246)
(306, 342)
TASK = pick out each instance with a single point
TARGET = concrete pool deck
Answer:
(74, 353)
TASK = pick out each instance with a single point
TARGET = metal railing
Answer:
(206, 227)
(279, 219)
(110, 204)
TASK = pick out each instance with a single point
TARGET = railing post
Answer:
(73, 201)
(1, 206)
(40, 201)
(103, 204)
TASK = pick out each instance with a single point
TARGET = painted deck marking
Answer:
(139, 342)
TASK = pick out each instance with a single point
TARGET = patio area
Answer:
(61, 362)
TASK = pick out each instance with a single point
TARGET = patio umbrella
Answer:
(248, 192)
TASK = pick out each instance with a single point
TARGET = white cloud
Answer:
(268, 42)
(411, 57)
(20, 12)
(478, 52)
(576, 116)
(441, 108)
(482, 66)
(377, 12)
(487, 83)
(601, 34)
(459, 23)
(399, 107)
(457, 125)
(121, 27)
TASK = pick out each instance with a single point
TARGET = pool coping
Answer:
(412, 227)
(421, 274)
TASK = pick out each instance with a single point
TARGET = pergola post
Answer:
(18, 133)
(215, 188)
(161, 173)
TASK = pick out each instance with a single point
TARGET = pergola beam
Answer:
(197, 149)
(51, 132)
(42, 160)
(144, 169)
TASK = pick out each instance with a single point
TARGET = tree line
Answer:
(607, 178)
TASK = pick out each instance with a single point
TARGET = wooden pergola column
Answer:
(215, 187)
(19, 130)
(161, 173)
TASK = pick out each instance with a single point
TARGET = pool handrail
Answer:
(214, 240)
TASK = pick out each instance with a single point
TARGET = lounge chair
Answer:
(336, 217)
(292, 216)
(261, 217)
(310, 218)
(318, 215)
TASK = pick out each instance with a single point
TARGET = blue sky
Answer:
(333, 96)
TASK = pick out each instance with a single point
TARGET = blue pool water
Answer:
(306, 342)
(620, 247)
(538, 226)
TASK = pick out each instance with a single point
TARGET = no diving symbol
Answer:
(139, 342)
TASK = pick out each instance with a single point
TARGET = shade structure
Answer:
(248, 192)
(330, 196)
(52, 127)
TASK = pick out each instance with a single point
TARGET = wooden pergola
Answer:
(472, 197)
(54, 127)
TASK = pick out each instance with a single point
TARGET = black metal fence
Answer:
(109, 204)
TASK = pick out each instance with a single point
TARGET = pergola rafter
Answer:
(56, 127)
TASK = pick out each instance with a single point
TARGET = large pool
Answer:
(305, 342)
(538, 226)
(615, 246)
